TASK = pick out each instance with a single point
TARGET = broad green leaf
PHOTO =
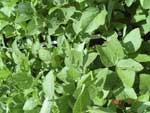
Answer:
(97, 21)
(74, 58)
(146, 28)
(129, 2)
(144, 97)
(53, 25)
(87, 16)
(112, 81)
(51, 10)
(62, 75)
(35, 48)
(82, 101)
(46, 106)
(17, 55)
(143, 107)
(111, 5)
(145, 4)
(22, 80)
(4, 72)
(30, 104)
(44, 55)
(129, 64)
(33, 27)
(68, 12)
(142, 58)
(111, 52)
(25, 8)
(139, 17)
(3, 23)
(9, 31)
(132, 41)
(48, 85)
(8, 7)
(96, 95)
(144, 82)
(63, 104)
(127, 77)
(90, 58)
(22, 18)
(101, 77)
(73, 74)
(127, 93)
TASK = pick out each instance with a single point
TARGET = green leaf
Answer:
(17, 55)
(22, 80)
(3, 23)
(90, 20)
(44, 55)
(144, 82)
(100, 110)
(4, 72)
(74, 58)
(111, 52)
(46, 106)
(132, 41)
(8, 7)
(142, 58)
(129, 2)
(68, 12)
(145, 4)
(139, 17)
(129, 64)
(33, 27)
(90, 58)
(81, 102)
(127, 77)
(87, 16)
(144, 97)
(143, 107)
(73, 74)
(98, 20)
(48, 85)
(30, 104)
(127, 93)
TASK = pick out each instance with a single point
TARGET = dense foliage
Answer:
(74, 56)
